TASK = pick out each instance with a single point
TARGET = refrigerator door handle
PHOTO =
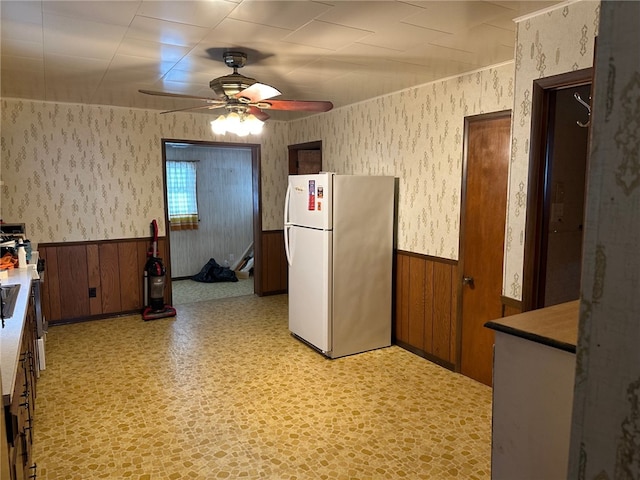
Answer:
(287, 225)
(286, 243)
(286, 204)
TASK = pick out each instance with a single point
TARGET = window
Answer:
(181, 195)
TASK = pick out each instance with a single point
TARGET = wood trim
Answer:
(258, 254)
(425, 306)
(510, 302)
(146, 240)
(510, 306)
(257, 204)
(315, 145)
(293, 153)
(427, 257)
(533, 248)
(426, 355)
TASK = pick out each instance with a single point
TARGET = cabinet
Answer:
(20, 412)
(533, 379)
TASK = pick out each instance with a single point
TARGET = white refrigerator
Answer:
(339, 245)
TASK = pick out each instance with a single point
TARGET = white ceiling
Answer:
(102, 52)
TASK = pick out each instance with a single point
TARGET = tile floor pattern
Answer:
(190, 291)
(224, 391)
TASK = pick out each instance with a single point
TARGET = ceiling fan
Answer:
(244, 95)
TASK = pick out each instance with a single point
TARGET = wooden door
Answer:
(482, 242)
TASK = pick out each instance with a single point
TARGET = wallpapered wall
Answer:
(605, 440)
(549, 44)
(417, 136)
(77, 172)
(72, 171)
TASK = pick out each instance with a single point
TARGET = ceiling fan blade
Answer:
(259, 114)
(256, 92)
(181, 95)
(297, 105)
(199, 107)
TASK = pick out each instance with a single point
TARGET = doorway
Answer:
(228, 219)
(557, 185)
(305, 158)
(564, 196)
(484, 204)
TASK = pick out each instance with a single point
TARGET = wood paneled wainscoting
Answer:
(274, 270)
(96, 279)
(511, 307)
(426, 307)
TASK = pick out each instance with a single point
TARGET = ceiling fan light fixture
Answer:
(238, 124)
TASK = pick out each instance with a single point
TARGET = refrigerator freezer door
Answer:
(309, 201)
(309, 285)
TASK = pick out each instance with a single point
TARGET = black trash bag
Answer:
(212, 272)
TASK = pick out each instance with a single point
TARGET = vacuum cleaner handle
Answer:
(154, 234)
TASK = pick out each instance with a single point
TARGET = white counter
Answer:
(11, 334)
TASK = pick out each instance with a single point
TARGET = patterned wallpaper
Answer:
(417, 136)
(551, 43)
(605, 441)
(77, 172)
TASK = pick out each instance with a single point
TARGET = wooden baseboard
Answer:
(425, 355)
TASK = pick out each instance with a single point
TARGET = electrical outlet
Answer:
(92, 292)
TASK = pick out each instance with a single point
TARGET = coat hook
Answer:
(577, 96)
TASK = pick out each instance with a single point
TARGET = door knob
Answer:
(467, 281)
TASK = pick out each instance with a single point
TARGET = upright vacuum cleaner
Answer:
(154, 280)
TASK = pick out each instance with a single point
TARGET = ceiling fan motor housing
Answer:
(231, 84)
(229, 87)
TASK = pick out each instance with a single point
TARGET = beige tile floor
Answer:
(190, 291)
(224, 391)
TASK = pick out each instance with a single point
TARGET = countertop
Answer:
(555, 326)
(11, 334)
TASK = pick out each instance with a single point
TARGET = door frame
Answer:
(463, 201)
(257, 204)
(540, 142)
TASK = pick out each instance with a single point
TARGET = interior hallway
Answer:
(224, 391)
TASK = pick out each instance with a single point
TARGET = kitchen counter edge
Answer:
(555, 326)
(11, 334)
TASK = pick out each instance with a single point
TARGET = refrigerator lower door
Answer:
(310, 286)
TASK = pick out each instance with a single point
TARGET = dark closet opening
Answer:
(557, 189)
